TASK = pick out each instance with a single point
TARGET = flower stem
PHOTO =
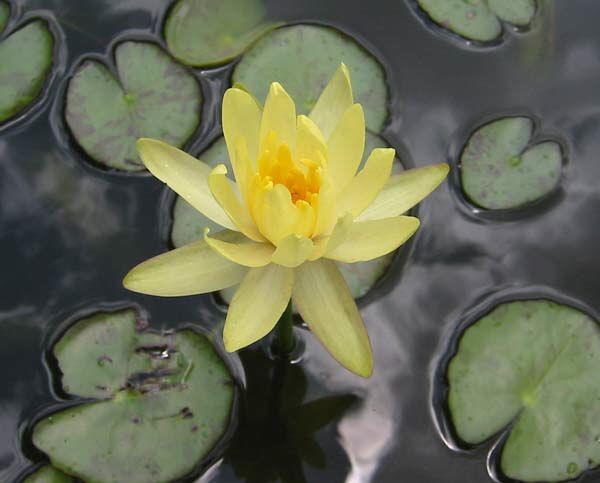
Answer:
(285, 340)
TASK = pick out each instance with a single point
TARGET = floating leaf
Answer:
(153, 97)
(188, 225)
(532, 365)
(499, 171)
(168, 402)
(303, 58)
(209, 32)
(479, 19)
(48, 474)
(26, 59)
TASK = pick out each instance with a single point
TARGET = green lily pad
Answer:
(479, 19)
(153, 97)
(210, 32)
(167, 400)
(26, 57)
(532, 365)
(48, 474)
(303, 58)
(501, 170)
(188, 225)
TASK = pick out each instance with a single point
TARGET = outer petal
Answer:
(292, 251)
(330, 242)
(345, 146)
(333, 102)
(241, 119)
(324, 301)
(279, 115)
(257, 305)
(371, 239)
(367, 184)
(189, 270)
(309, 141)
(185, 175)
(405, 190)
(236, 247)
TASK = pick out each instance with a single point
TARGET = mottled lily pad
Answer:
(479, 19)
(188, 225)
(26, 57)
(153, 96)
(210, 32)
(501, 170)
(166, 401)
(48, 474)
(532, 365)
(303, 58)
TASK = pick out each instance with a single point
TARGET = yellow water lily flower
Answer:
(297, 206)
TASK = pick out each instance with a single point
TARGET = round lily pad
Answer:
(153, 96)
(48, 474)
(210, 32)
(303, 58)
(188, 225)
(531, 366)
(167, 401)
(501, 169)
(479, 20)
(26, 57)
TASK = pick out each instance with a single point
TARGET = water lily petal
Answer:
(374, 238)
(345, 146)
(368, 183)
(333, 102)
(327, 207)
(257, 305)
(185, 175)
(405, 190)
(310, 143)
(330, 242)
(241, 119)
(279, 115)
(292, 251)
(324, 301)
(189, 270)
(236, 247)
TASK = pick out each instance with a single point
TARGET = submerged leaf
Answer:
(48, 474)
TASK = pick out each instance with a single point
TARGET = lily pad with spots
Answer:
(210, 32)
(48, 474)
(163, 401)
(151, 96)
(500, 169)
(479, 20)
(303, 58)
(532, 367)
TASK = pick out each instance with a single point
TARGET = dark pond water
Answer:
(69, 232)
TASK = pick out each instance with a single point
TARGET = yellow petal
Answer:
(330, 242)
(333, 102)
(326, 207)
(405, 190)
(292, 251)
(223, 191)
(374, 238)
(236, 247)
(345, 146)
(309, 141)
(368, 183)
(257, 305)
(185, 175)
(279, 115)
(189, 270)
(325, 303)
(241, 119)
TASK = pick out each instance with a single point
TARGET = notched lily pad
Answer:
(303, 58)
(188, 225)
(210, 32)
(48, 474)
(500, 169)
(479, 20)
(532, 365)
(26, 57)
(153, 96)
(166, 401)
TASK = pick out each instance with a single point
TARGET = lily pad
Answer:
(303, 58)
(479, 19)
(167, 401)
(501, 170)
(210, 32)
(188, 225)
(531, 366)
(26, 57)
(48, 474)
(153, 96)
